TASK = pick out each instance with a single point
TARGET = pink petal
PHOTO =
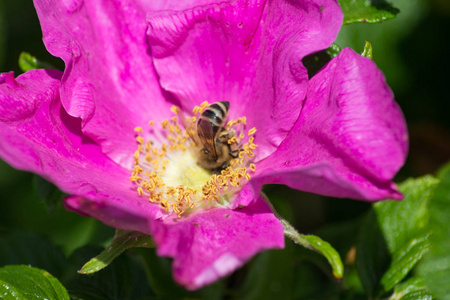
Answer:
(37, 135)
(247, 195)
(351, 136)
(214, 243)
(155, 5)
(246, 52)
(109, 80)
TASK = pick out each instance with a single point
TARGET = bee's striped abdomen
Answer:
(216, 114)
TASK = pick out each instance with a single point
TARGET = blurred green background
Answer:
(412, 50)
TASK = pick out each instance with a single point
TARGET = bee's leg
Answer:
(222, 139)
(233, 153)
(224, 166)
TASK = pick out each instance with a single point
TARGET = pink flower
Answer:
(128, 62)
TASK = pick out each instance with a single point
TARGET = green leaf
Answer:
(124, 279)
(25, 282)
(122, 241)
(404, 260)
(395, 237)
(367, 11)
(412, 289)
(292, 273)
(333, 50)
(435, 268)
(159, 274)
(405, 229)
(316, 61)
(160, 279)
(3, 33)
(367, 52)
(344, 236)
(47, 193)
(28, 62)
(36, 251)
(316, 244)
(372, 254)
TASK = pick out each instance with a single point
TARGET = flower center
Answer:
(186, 173)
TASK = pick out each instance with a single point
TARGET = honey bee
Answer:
(214, 151)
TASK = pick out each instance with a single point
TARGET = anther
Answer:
(140, 139)
(156, 164)
(174, 109)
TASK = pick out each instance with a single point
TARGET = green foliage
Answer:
(403, 62)
(435, 269)
(25, 282)
(403, 261)
(367, 52)
(123, 240)
(333, 50)
(405, 229)
(395, 237)
(412, 289)
(28, 62)
(47, 193)
(372, 256)
(318, 60)
(3, 33)
(292, 273)
(370, 11)
(32, 250)
(316, 244)
(159, 273)
(124, 279)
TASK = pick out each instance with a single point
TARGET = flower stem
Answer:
(311, 242)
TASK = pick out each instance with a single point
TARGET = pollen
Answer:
(167, 171)
(174, 109)
(140, 139)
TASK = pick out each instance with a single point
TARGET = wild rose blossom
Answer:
(128, 62)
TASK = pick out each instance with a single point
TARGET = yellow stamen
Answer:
(140, 191)
(140, 139)
(168, 174)
(175, 109)
(136, 154)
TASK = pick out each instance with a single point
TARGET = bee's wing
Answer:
(207, 132)
(190, 130)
